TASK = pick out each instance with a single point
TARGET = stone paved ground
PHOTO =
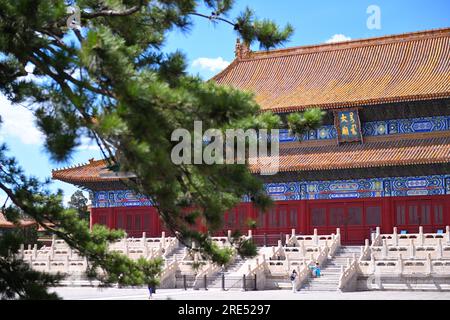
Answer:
(86, 293)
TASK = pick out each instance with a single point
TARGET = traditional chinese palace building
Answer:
(381, 158)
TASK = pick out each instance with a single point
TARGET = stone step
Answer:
(328, 277)
(333, 282)
(331, 269)
(348, 253)
(321, 285)
(319, 289)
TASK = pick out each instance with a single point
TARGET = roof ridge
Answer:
(322, 47)
(82, 164)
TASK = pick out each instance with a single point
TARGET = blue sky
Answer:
(209, 48)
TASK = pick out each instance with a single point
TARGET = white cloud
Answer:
(213, 65)
(18, 122)
(338, 38)
(88, 144)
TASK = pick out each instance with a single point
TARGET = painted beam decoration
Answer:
(119, 198)
(348, 125)
(361, 188)
(311, 190)
(377, 128)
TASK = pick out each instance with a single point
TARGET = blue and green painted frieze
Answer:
(378, 128)
(311, 190)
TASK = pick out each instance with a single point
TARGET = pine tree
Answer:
(80, 203)
(105, 77)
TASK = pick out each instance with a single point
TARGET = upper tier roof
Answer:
(405, 67)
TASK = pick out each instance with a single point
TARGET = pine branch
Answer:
(112, 13)
(214, 17)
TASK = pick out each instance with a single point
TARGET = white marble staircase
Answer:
(230, 272)
(331, 270)
(177, 253)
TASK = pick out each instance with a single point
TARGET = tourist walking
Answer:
(150, 291)
(317, 270)
(293, 278)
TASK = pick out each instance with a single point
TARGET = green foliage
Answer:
(196, 265)
(79, 202)
(252, 224)
(17, 280)
(300, 123)
(266, 32)
(221, 256)
(247, 248)
(110, 82)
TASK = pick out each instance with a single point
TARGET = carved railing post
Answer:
(302, 248)
(384, 250)
(439, 249)
(412, 249)
(22, 249)
(429, 264)
(400, 264)
(421, 236)
(315, 238)
(372, 263)
(395, 236)
(447, 233)
(145, 250)
(163, 239)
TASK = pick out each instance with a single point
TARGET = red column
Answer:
(304, 219)
(447, 210)
(112, 223)
(90, 217)
(387, 216)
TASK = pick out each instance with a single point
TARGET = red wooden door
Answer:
(318, 219)
(337, 218)
(136, 221)
(438, 215)
(352, 218)
(281, 218)
(355, 230)
(410, 214)
(238, 218)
